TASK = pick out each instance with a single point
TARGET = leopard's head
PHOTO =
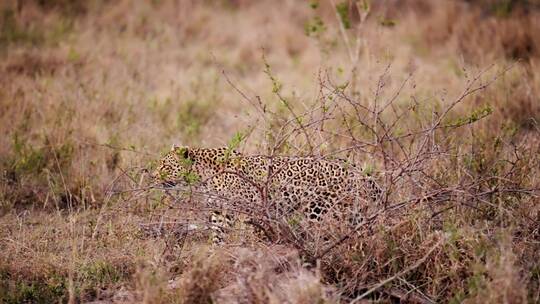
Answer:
(176, 167)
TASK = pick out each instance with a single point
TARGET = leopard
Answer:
(313, 187)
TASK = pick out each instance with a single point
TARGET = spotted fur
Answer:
(311, 185)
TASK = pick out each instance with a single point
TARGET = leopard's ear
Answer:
(182, 151)
(185, 152)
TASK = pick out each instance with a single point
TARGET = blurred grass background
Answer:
(90, 88)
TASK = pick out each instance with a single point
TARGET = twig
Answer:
(404, 271)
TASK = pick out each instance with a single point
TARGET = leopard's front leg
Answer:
(220, 222)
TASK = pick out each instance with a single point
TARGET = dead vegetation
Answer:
(438, 102)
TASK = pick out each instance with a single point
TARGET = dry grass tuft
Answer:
(202, 278)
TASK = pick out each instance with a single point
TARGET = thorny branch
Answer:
(338, 125)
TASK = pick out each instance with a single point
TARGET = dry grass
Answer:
(439, 101)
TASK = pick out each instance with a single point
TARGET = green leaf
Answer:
(387, 22)
(191, 178)
(475, 116)
(365, 6)
(314, 27)
(236, 140)
(343, 12)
